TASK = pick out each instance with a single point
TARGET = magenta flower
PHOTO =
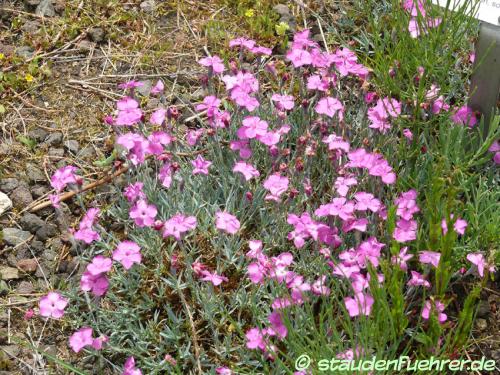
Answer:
(407, 205)
(418, 280)
(434, 305)
(223, 371)
(130, 84)
(283, 102)
(200, 165)
(99, 265)
(158, 116)
(340, 207)
(247, 170)
(156, 142)
(214, 62)
(243, 147)
(129, 112)
(414, 7)
(255, 339)
(193, 135)
(226, 222)
(242, 42)
(136, 145)
(52, 305)
(478, 260)
(252, 127)
(178, 225)
(127, 253)
(276, 185)
(129, 367)
(319, 287)
(165, 175)
(256, 272)
(402, 258)
(316, 82)
(55, 200)
(406, 230)
(81, 339)
(64, 176)
(85, 232)
(97, 285)
(277, 326)
(335, 142)
(459, 225)
(143, 213)
(360, 304)
(134, 192)
(464, 116)
(330, 106)
(213, 277)
(210, 104)
(429, 257)
(342, 185)
(157, 88)
(299, 57)
(260, 50)
(366, 201)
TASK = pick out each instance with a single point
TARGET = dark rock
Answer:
(85, 45)
(32, 3)
(96, 34)
(27, 265)
(87, 152)
(148, 6)
(4, 290)
(45, 8)
(26, 52)
(21, 197)
(14, 236)
(483, 310)
(42, 271)
(35, 174)
(145, 89)
(56, 152)
(72, 146)
(8, 184)
(38, 134)
(39, 190)
(9, 273)
(31, 27)
(25, 287)
(37, 246)
(31, 222)
(282, 9)
(54, 139)
(46, 231)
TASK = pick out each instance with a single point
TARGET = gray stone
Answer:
(46, 231)
(54, 139)
(21, 197)
(148, 6)
(25, 51)
(38, 190)
(85, 45)
(25, 287)
(31, 222)
(56, 152)
(34, 173)
(31, 27)
(96, 34)
(481, 324)
(45, 8)
(14, 236)
(27, 265)
(88, 152)
(37, 246)
(32, 3)
(38, 134)
(483, 310)
(282, 9)
(5, 203)
(8, 184)
(72, 146)
(49, 255)
(9, 273)
(145, 89)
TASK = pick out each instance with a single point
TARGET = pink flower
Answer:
(255, 339)
(143, 213)
(242, 42)
(338, 207)
(156, 142)
(134, 192)
(99, 265)
(439, 105)
(97, 285)
(408, 134)
(438, 306)
(99, 342)
(330, 106)
(214, 62)
(64, 176)
(414, 7)
(223, 371)
(283, 102)
(170, 359)
(178, 225)
(210, 104)
(464, 116)
(226, 222)
(158, 116)
(129, 367)
(55, 200)
(402, 258)
(130, 84)
(52, 305)
(137, 146)
(165, 175)
(407, 205)
(276, 185)
(85, 232)
(81, 339)
(417, 280)
(193, 135)
(129, 112)
(127, 253)
(214, 278)
(429, 257)
(256, 272)
(243, 147)
(478, 260)
(246, 169)
(277, 326)
(366, 201)
(458, 226)
(342, 185)
(157, 88)
(360, 304)
(319, 287)
(200, 165)
(380, 114)
(316, 82)
(252, 127)
(335, 142)
(406, 230)
(299, 57)
(29, 314)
